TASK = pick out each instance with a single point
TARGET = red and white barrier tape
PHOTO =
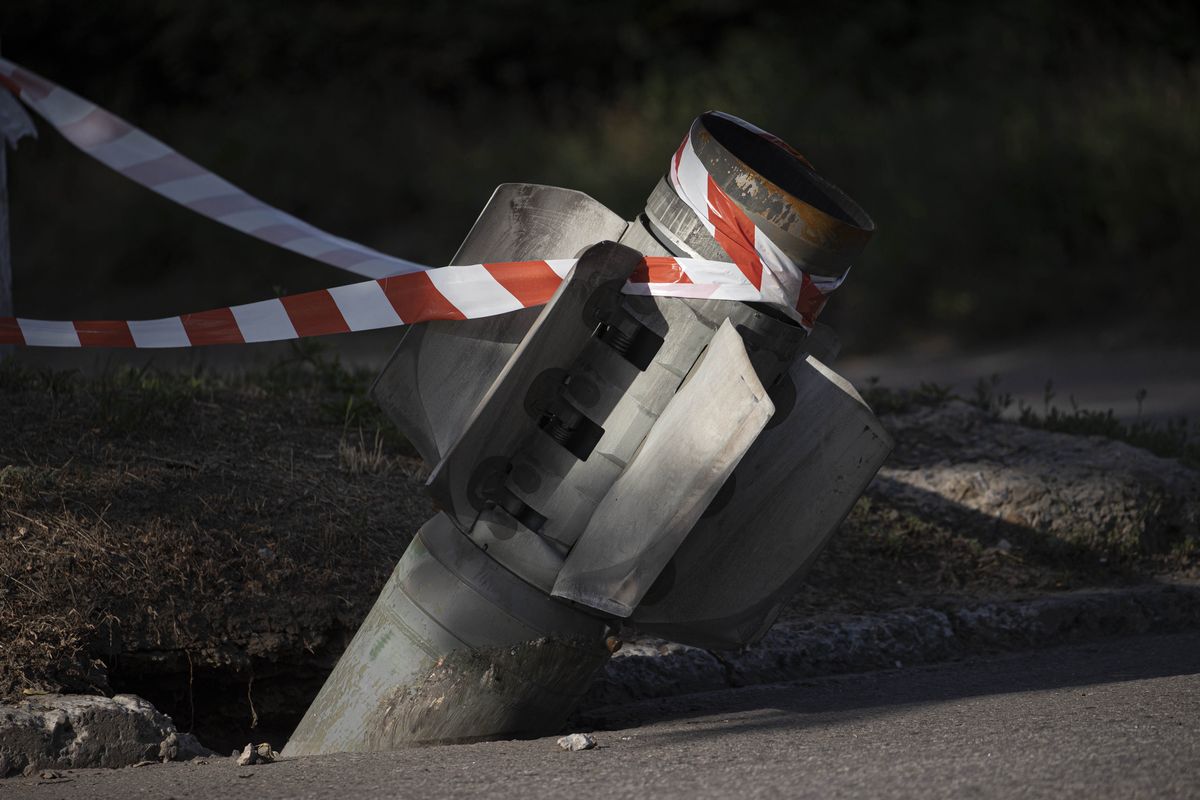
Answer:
(143, 159)
(403, 293)
(471, 292)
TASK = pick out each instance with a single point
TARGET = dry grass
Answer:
(150, 514)
(357, 457)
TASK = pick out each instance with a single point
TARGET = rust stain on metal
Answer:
(784, 209)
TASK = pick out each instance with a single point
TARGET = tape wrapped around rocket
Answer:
(610, 463)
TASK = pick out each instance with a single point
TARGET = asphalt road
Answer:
(1099, 376)
(1118, 719)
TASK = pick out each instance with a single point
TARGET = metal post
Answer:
(6, 300)
(14, 125)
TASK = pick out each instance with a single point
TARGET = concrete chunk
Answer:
(57, 731)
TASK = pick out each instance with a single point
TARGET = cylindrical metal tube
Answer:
(465, 640)
(806, 216)
(455, 648)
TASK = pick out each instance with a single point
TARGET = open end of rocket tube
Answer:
(782, 168)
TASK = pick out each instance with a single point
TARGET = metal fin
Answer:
(440, 370)
(693, 447)
(746, 556)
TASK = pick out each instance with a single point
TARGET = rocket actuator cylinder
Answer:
(671, 465)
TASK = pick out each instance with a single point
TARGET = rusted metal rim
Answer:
(805, 215)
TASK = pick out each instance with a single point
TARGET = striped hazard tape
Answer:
(470, 292)
(401, 292)
(143, 159)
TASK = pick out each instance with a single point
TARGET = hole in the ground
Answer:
(225, 707)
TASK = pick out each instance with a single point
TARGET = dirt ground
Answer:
(207, 543)
(211, 542)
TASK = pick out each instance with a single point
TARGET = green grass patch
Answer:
(1175, 438)
(124, 400)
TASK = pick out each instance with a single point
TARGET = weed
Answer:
(1173, 439)
(989, 397)
(885, 400)
(345, 393)
(357, 457)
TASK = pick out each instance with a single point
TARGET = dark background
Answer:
(1032, 167)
